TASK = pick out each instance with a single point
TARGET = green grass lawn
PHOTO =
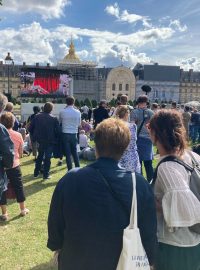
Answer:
(23, 239)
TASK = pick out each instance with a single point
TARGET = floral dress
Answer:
(130, 158)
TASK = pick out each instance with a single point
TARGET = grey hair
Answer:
(3, 102)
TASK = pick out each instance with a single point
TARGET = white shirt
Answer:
(70, 118)
(85, 109)
(180, 207)
(83, 140)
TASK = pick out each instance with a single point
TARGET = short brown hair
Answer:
(121, 111)
(9, 107)
(48, 107)
(70, 100)
(112, 137)
(142, 99)
(124, 99)
(7, 119)
(169, 131)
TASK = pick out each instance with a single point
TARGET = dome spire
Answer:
(72, 54)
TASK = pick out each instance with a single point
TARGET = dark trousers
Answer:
(15, 178)
(45, 152)
(148, 168)
(69, 148)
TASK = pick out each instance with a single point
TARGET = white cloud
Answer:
(83, 54)
(113, 10)
(28, 44)
(33, 43)
(125, 16)
(48, 9)
(189, 63)
(177, 25)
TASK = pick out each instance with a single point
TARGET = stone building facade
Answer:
(120, 80)
(168, 83)
(163, 80)
(189, 86)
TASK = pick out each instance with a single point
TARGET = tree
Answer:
(146, 88)
(81, 103)
(94, 103)
(77, 103)
(130, 102)
(1, 2)
(112, 102)
(87, 103)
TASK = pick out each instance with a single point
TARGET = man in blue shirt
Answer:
(70, 120)
(141, 116)
(86, 222)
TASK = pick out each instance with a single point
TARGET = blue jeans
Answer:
(195, 133)
(45, 152)
(69, 148)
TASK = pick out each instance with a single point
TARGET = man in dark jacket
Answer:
(45, 129)
(100, 113)
(34, 144)
(86, 221)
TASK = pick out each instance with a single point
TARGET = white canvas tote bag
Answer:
(133, 255)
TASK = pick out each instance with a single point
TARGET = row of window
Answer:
(189, 90)
(114, 87)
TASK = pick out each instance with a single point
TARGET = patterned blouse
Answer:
(130, 159)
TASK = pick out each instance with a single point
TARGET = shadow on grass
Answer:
(44, 266)
(34, 188)
(4, 223)
(28, 162)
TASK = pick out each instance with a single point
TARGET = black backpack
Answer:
(194, 184)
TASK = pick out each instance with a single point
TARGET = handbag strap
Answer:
(141, 125)
(174, 159)
(194, 160)
(133, 215)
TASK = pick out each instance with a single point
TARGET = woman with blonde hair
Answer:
(130, 159)
(177, 207)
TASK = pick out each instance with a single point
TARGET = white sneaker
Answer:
(24, 212)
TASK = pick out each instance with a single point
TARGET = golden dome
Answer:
(71, 56)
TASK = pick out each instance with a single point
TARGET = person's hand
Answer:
(152, 267)
(55, 257)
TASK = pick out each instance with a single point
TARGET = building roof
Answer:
(190, 76)
(157, 72)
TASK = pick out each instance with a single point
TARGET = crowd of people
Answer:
(91, 206)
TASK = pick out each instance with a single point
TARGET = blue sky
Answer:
(145, 31)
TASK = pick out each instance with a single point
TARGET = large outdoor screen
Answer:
(38, 81)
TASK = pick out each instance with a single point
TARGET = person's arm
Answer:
(6, 148)
(60, 118)
(133, 116)
(56, 222)
(147, 221)
(32, 126)
(21, 146)
(57, 128)
(106, 114)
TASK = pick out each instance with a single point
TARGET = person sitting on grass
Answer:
(14, 174)
(83, 140)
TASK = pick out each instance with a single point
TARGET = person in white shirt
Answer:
(70, 120)
(85, 111)
(83, 140)
(177, 206)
